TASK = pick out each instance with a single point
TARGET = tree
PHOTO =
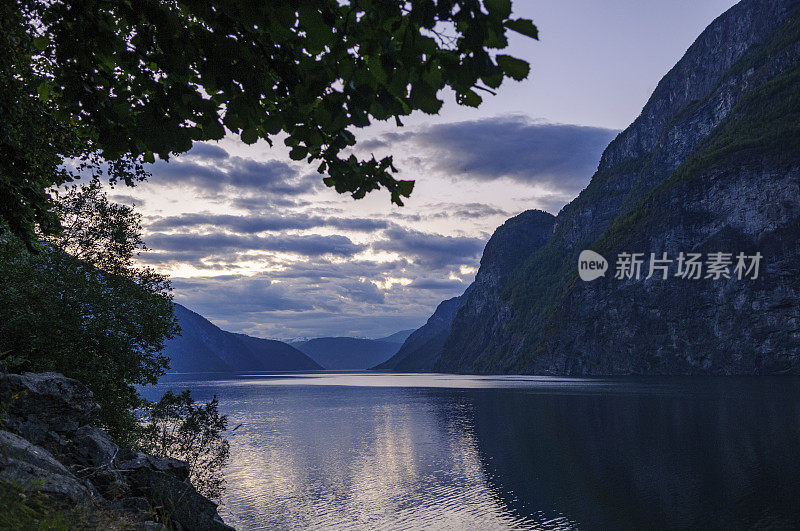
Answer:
(78, 306)
(176, 426)
(124, 81)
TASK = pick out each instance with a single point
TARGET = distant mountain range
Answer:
(204, 347)
(351, 353)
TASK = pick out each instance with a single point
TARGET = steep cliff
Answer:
(710, 165)
(422, 348)
(510, 245)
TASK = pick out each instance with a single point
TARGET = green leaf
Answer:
(405, 188)
(249, 135)
(148, 157)
(298, 153)
(44, 91)
(513, 67)
(469, 98)
(498, 8)
(40, 43)
(524, 26)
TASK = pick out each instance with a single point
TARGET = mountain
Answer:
(397, 337)
(505, 251)
(424, 346)
(347, 353)
(712, 164)
(204, 347)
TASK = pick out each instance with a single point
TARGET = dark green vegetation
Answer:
(80, 307)
(204, 347)
(121, 83)
(177, 427)
(37, 511)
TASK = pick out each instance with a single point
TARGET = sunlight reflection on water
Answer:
(409, 451)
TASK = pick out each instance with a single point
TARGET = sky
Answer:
(257, 244)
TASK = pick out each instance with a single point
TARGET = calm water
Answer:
(361, 450)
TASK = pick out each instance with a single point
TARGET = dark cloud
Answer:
(266, 222)
(466, 210)
(198, 244)
(436, 284)
(236, 295)
(434, 250)
(260, 203)
(126, 200)
(207, 151)
(269, 177)
(563, 157)
(363, 291)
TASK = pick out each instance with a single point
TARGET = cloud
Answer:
(251, 224)
(466, 210)
(245, 175)
(437, 284)
(562, 157)
(128, 200)
(434, 250)
(264, 305)
(350, 272)
(236, 295)
(363, 291)
(308, 245)
(207, 151)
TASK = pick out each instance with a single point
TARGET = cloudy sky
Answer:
(255, 242)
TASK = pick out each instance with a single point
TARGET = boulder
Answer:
(94, 447)
(32, 468)
(175, 498)
(52, 399)
(48, 444)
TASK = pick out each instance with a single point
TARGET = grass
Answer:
(24, 510)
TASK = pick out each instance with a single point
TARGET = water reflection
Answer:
(442, 451)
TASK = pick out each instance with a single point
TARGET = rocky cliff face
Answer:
(710, 165)
(423, 347)
(480, 305)
(483, 311)
(49, 446)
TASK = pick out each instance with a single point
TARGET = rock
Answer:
(177, 498)
(33, 468)
(77, 462)
(61, 403)
(139, 460)
(94, 447)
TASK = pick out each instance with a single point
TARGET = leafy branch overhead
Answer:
(139, 78)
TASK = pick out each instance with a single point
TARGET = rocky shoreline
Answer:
(49, 446)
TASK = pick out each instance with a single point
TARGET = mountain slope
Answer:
(509, 246)
(204, 347)
(710, 165)
(424, 346)
(347, 353)
(397, 337)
